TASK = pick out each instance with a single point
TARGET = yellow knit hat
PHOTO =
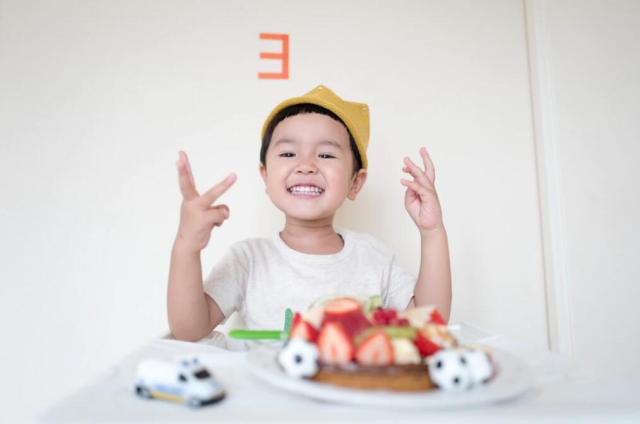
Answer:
(354, 115)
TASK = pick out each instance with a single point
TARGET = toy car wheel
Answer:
(143, 392)
(194, 403)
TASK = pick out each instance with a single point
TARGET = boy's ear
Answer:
(263, 172)
(356, 185)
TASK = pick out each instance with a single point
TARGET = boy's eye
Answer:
(290, 155)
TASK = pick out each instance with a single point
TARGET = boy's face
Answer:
(309, 167)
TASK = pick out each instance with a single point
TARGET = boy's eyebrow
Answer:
(323, 142)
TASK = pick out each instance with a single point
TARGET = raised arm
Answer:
(422, 204)
(192, 313)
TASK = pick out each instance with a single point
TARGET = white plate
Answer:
(513, 379)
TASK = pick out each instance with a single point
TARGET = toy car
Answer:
(185, 381)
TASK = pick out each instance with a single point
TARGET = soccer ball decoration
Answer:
(299, 358)
(459, 369)
(448, 370)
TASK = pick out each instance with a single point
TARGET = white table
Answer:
(560, 393)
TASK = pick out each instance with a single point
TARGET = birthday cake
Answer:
(353, 343)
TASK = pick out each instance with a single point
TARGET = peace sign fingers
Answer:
(218, 190)
(185, 177)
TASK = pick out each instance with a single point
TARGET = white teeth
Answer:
(306, 190)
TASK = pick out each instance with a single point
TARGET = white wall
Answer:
(97, 97)
(590, 91)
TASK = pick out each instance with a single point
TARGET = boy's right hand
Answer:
(198, 215)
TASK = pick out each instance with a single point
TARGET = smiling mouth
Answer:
(305, 191)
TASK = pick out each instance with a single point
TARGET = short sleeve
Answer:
(227, 280)
(400, 287)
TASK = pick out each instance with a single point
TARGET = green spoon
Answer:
(258, 334)
(288, 316)
(265, 334)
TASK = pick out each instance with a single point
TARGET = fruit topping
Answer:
(418, 316)
(353, 323)
(348, 313)
(425, 346)
(314, 316)
(390, 316)
(342, 305)
(439, 334)
(373, 303)
(376, 349)
(302, 329)
(392, 332)
(383, 316)
(334, 344)
(436, 318)
(401, 322)
(405, 352)
(400, 332)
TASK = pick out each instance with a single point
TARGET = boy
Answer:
(313, 156)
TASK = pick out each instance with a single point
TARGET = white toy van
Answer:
(185, 381)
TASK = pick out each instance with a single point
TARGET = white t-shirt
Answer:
(261, 277)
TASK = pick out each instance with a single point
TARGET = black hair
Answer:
(300, 109)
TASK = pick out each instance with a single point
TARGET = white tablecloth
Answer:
(559, 393)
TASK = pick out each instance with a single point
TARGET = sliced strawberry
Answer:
(436, 318)
(342, 305)
(425, 346)
(296, 319)
(314, 316)
(334, 344)
(302, 329)
(353, 322)
(376, 349)
(348, 312)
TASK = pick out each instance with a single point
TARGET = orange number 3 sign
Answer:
(282, 55)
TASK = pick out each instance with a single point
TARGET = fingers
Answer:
(189, 192)
(428, 165)
(416, 172)
(425, 177)
(217, 190)
(217, 215)
(187, 188)
(420, 190)
(185, 159)
(223, 208)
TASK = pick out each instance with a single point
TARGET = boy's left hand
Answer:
(421, 198)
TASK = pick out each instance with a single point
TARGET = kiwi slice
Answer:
(395, 332)
(374, 303)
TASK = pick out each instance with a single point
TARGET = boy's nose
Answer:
(306, 168)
